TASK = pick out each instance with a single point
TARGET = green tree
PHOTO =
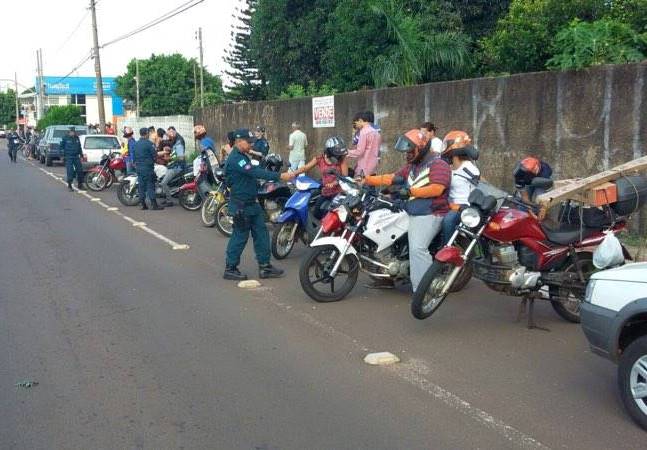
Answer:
(241, 58)
(288, 38)
(479, 17)
(166, 84)
(523, 38)
(61, 115)
(631, 12)
(605, 41)
(311, 90)
(210, 99)
(8, 107)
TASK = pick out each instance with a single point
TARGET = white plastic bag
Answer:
(160, 171)
(609, 252)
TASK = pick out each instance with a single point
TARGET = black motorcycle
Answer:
(128, 192)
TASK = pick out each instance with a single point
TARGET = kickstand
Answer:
(530, 301)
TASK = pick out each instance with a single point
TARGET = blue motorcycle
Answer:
(296, 221)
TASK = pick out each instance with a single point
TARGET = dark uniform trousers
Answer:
(146, 183)
(250, 217)
(74, 168)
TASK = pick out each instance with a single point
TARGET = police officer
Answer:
(71, 148)
(261, 146)
(241, 176)
(144, 155)
(13, 141)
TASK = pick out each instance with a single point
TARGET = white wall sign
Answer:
(323, 112)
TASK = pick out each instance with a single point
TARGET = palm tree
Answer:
(414, 56)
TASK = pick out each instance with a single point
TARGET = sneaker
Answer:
(269, 271)
(380, 283)
(232, 273)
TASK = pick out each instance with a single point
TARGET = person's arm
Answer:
(360, 148)
(440, 177)
(344, 168)
(291, 141)
(303, 169)
(247, 169)
(379, 180)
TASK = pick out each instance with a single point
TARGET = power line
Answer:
(76, 28)
(78, 66)
(174, 12)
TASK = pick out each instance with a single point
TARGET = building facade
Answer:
(82, 91)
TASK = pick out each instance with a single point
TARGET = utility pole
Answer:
(195, 82)
(137, 86)
(15, 75)
(201, 70)
(41, 86)
(97, 69)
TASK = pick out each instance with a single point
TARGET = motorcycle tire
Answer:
(280, 247)
(224, 222)
(191, 201)
(311, 261)
(95, 181)
(208, 212)
(422, 305)
(570, 311)
(125, 198)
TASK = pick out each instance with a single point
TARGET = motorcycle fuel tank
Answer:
(384, 227)
(509, 225)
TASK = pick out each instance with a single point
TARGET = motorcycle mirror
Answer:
(541, 183)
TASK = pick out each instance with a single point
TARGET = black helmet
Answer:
(335, 148)
(273, 162)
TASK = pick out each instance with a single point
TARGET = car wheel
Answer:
(632, 380)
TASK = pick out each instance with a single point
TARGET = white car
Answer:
(96, 145)
(614, 320)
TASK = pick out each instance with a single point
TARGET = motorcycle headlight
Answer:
(470, 217)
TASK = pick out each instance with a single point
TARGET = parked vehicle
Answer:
(128, 192)
(96, 146)
(111, 168)
(213, 201)
(373, 238)
(48, 148)
(297, 221)
(3, 133)
(515, 254)
(614, 320)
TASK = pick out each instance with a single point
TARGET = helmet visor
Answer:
(404, 145)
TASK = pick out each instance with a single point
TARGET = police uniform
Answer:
(71, 148)
(144, 158)
(241, 177)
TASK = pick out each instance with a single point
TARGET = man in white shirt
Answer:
(297, 143)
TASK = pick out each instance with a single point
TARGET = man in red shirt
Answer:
(427, 180)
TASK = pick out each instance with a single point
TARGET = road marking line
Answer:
(414, 372)
(141, 225)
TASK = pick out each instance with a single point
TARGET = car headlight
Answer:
(589, 291)
(470, 217)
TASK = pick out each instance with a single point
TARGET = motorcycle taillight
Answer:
(331, 222)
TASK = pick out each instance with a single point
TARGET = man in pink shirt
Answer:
(367, 150)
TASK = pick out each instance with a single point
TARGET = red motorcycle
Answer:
(515, 254)
(103, 175)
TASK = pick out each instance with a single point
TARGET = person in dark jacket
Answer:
(144, 155)
(13, 141)
(261, 146)
(71, 148)
(241, 176)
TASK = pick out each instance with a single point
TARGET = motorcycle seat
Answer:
(567, 234)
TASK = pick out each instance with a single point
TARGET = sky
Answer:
(50, 24)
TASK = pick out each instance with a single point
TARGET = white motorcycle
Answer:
(370, 234)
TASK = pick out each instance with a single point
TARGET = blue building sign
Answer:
(83, 85)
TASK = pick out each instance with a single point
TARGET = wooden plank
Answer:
(573, 189)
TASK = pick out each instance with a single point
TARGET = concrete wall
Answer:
(183, 125)
(580, 121)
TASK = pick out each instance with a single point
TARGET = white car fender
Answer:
(335, 241)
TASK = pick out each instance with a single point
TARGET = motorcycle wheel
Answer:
(428, 297)
(208, 211)
(125, 197)
(191, 201)
(224, 222)
(313, 273)
(570, 309)
(95, 181)
(282, 245)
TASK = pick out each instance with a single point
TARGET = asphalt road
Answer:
(136, 345)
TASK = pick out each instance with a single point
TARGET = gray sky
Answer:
(47, 24)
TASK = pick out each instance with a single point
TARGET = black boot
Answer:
(269, 271)
(69, 186)
(144, 207)
(155, 206)
(232, 273)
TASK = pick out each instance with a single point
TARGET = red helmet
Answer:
(414, 143)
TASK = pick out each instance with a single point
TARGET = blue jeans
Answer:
(450, 222)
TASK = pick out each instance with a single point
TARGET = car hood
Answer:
(636, 273)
